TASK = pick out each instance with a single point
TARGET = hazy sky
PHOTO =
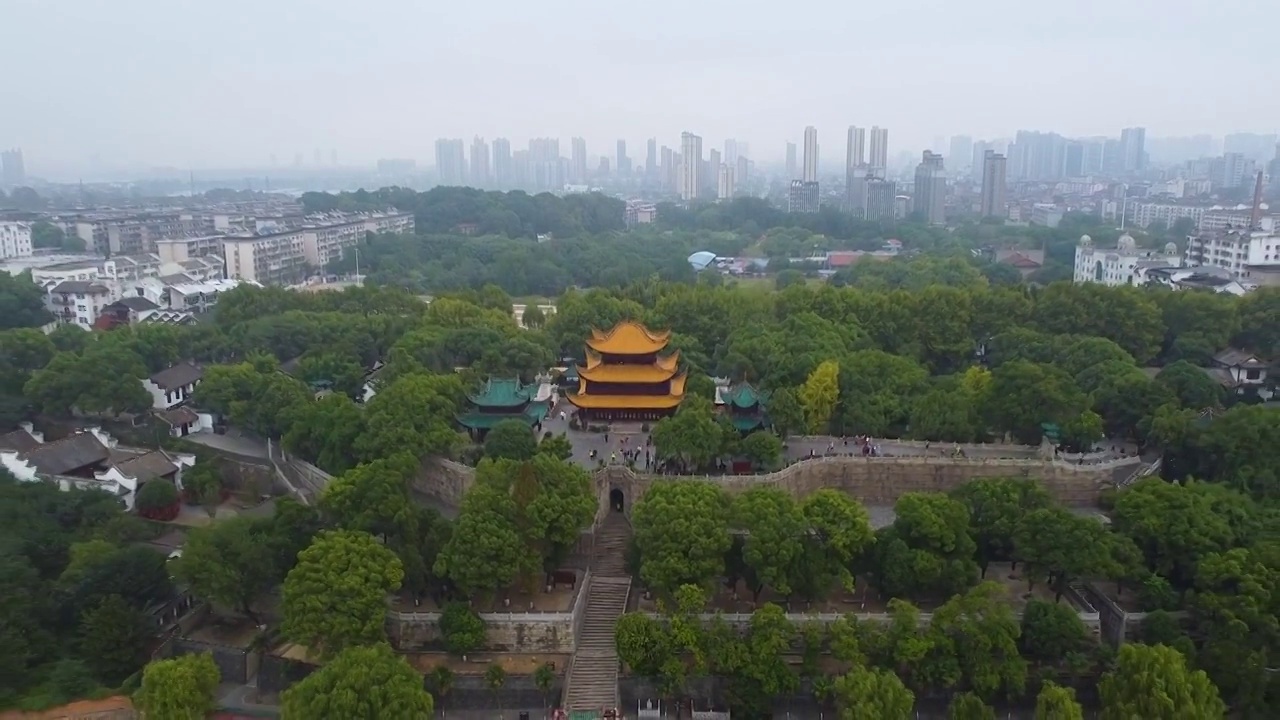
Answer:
(218, 83)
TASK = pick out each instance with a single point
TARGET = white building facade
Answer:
(1123, 265)
(1235, 251)
(15, 240)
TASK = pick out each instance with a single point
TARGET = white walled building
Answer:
(89, 459)
(173, 386)
(15, 240)
(274, 259)
(1236, 251)
(1143, 214)
(323, 244)
(389, 222)
(1123, 265)
(77, 302)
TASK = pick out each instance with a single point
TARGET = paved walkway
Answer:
(627, 435)
(234, 442)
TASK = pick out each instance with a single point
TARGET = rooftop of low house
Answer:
(180, 375)
(68, 454)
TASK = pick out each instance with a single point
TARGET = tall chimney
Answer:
(1255, 219)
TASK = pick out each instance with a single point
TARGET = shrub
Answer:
(462, 628)
(157, 500)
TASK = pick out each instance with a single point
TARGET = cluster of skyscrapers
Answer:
(541, 167)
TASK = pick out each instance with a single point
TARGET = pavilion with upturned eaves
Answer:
(744, 405)
(503, 399)
(626, 376)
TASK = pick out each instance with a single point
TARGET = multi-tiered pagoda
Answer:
(626, 376)
(503, 399)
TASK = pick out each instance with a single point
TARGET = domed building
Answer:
(1126, 264)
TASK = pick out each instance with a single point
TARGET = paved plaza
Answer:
(629, 435)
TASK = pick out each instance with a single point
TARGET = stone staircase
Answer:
(592, 684)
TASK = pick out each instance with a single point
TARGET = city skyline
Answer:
(344, 79)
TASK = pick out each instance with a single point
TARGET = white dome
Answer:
(1086, 240)
(700, 260)
(1126, 242)
(1171, 248)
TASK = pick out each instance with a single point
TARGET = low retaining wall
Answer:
(547, 632)
(468, 692)
(741, 621)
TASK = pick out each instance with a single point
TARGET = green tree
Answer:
(21, 302)
(486, 552)
(981, 631)
(180, 688)
(643, 643)
(838, 533)
(1173, 525)
(1057, 703)
(758, 671)
(967, 706)
(511, 439)
(762, 448)
(1059, 546)
(336, 596)
(557, 446)
(375, 498)
(361, 683)
(533, 317)
(202, 484)
(462, 628)
(325, 432)
(1051, 631)
(774, 527)
(872, 693)
(928, 550)
(1024, 395)
(230, 563)
(545, 678)
(157, 498)
(682, 533)
(1153, 681)
(413, 414)
(563, 505)
(785, 412)
(996, 505)
(1192, 386)
(819, 395)
(113, 639)
(691, 439)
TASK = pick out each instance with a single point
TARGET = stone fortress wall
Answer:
(877, 481)
(871, 480)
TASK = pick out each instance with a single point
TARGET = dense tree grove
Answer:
(74, 591)
(1208, 544)
(936, 346)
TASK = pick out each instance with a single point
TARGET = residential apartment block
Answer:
(78, 302)
(1144, 214)
(1242, 253)
(278, 258)
(15, 240)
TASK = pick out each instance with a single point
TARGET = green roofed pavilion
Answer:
(503, 399)
(745, 406)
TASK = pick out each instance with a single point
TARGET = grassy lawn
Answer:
(764, 283)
